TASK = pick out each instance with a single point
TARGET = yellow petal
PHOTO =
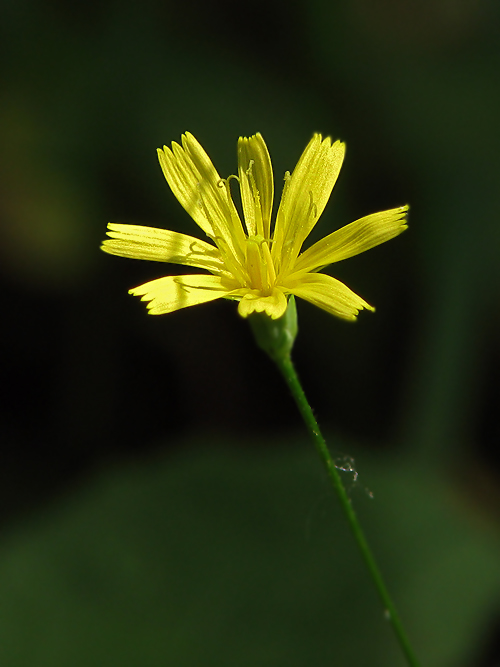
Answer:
(216, 199)
(305, 194)
(201, 191)
(175, 292)
(161, 245)
(183, 178)
(353, 239)
(330, 294)
(273, 305)
(256, 184)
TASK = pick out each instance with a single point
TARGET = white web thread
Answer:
(347, 464)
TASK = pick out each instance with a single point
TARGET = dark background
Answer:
(92, 387)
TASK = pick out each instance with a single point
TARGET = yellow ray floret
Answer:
(252, 262)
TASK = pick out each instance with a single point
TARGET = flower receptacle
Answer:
(276, 337)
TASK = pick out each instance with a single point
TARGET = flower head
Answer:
(257, 264)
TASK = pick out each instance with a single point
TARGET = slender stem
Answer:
(287, 369)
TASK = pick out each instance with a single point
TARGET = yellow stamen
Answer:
(256, 271)
(269, 262)
(261, 273)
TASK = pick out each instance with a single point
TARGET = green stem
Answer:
(287, 369)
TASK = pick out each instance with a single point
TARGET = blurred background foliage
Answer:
(160, 503)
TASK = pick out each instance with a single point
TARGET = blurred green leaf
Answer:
(239, 557)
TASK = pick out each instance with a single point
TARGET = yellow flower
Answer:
(254, 264)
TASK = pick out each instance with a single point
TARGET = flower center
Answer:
(260, 267)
